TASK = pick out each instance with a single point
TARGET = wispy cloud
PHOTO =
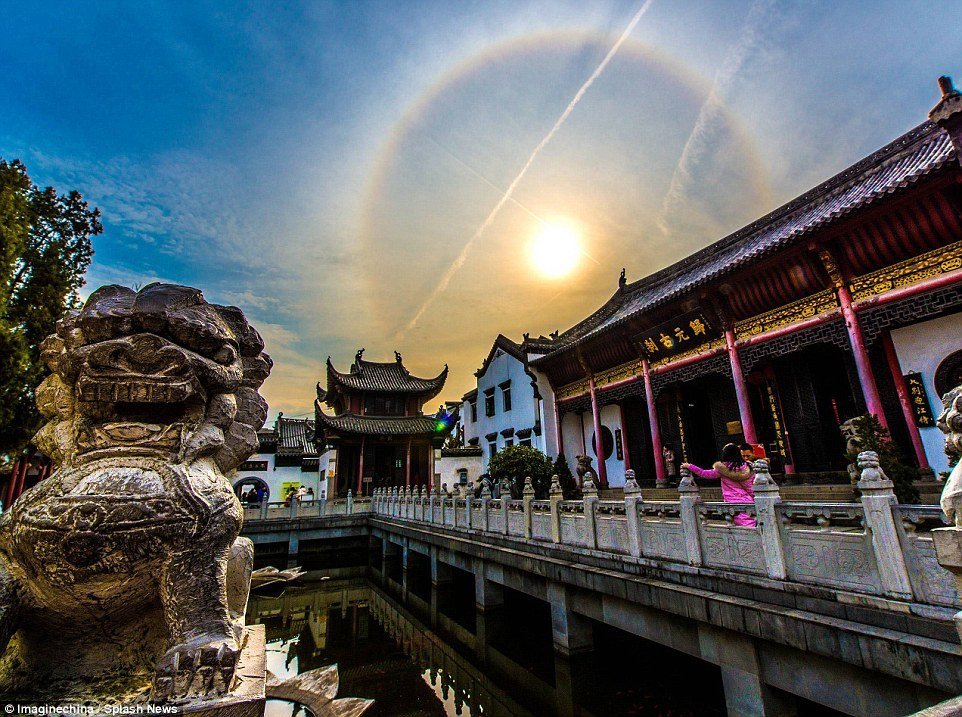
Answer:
(710, 118)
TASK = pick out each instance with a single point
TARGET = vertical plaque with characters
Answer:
(919, 400)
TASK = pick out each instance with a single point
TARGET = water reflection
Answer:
(386, 651)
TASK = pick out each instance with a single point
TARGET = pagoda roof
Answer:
(902, 163)
(376, 425)
(386, 377)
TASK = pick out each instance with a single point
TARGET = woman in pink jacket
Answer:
(736, 480)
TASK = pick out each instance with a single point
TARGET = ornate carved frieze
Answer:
(908, 272)
(820, 303)
(704, 348)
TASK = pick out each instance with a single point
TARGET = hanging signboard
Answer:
(781, 445)
(684, 332)
(919, 400)
(681, 432)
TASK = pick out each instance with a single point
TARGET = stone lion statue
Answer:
(582, 469)
(123, 570)
(950, 423)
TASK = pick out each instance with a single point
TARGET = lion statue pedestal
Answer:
(122, 577)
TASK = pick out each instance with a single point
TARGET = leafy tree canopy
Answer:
(518, 462)
(45, 250)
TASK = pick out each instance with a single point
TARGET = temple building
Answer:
(286, 458)
(378, 429)
(512, 403)
(844, 301)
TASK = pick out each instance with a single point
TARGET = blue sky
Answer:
(323, 165)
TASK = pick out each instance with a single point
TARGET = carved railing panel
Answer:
(573, 530)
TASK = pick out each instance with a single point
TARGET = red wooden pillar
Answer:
(661, 477)
(11, 486)
(624, 437)
(905, 400)
(332, 493)
(865, 376)
(741, 389)
(407, 467)
(360, 470)
(20, 477)
(599, 443)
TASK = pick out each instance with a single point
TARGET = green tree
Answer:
(871, 435)
(44, 251)
(565, 477)
(518, 462)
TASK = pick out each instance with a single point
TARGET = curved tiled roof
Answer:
(295, 437)
(377, 425)
(919, 152)
(388, 377)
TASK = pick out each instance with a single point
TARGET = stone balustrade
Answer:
(875, 547)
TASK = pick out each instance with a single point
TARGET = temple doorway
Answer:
(819, 391)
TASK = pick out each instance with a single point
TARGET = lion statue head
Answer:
(159, 371)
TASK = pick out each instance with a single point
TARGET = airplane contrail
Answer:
(466, 249)
(697, 141)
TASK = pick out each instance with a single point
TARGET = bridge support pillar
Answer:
(569, 680)
(293, 546)
(390, 557)
(404, 573)
(571, 633)
(440, 582)
(746, 695)
(487, 595)
(488, 601)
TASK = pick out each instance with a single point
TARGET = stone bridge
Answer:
(841, 604)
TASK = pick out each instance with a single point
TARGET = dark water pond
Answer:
(386, 650)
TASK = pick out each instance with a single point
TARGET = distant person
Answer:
(261, 493)
(301, 493)
(310, 494)
(290, 496)
(736, 477)
(668, 456)
(444, 489)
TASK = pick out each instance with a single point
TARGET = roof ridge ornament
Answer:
(357, 360)
(397, 356)
(947, 114)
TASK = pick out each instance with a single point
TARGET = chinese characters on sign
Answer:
(919, 400)
(681, 432)
(619, 449)
(685, 332)
(781, 445)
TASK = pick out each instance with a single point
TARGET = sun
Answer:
(555, 249)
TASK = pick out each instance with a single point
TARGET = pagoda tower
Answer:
(378, 429)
